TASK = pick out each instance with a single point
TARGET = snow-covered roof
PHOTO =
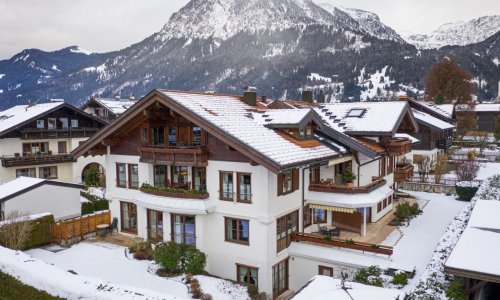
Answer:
(483, 107)
(477, 249)
(175, 205)
(19, 114)
(363, 117)
(443, 110)
(349, 200)
(431, 121)
(230, 114)
(282, 116)
(116, 106)
(413, 140)
(328, 288)
(17, 185)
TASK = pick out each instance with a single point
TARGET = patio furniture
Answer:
(330, 230)
(103, 229)
(113, 226)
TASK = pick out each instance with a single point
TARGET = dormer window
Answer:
(356, 113)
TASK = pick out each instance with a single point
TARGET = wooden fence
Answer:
(73, 230)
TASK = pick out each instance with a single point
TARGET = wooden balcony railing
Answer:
(44, 133)
(174, 192)
(36, 159)
(340, 243)
(396, 146)
(403, 172)
(344, 189)
(175, 156)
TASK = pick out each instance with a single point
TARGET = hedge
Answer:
(466, 190)
(94, 204)
(11, 288)
(40, 232)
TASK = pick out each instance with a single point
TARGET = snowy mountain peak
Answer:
(221, 19)
(457, 33)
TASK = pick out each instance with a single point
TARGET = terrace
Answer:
(28, 159)
(403, 172)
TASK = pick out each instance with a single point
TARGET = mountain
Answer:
(280, 46)
(458, 33)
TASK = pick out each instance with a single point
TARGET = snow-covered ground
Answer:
(108, 266)
(418, 241)
(487, 170)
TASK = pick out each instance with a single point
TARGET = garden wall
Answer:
(427, 187)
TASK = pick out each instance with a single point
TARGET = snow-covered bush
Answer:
(466, 189)
(491, 190)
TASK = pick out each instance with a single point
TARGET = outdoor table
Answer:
(329, 227)
(103, 228)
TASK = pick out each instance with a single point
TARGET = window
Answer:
(307, 216)
(226, 186)
(379, 207)
(284, 228)
(133, 176)
(184, 229)
(247, 274)
(325, 271)
(64, 123)
(158, 136)
(121, 175)
(62, 147)
(314, 175)
(160, 176)
(280, 277)
(288, 181)
(212, 141)
(74, 123)
(180, 177)
(48, 172)
(244, 187)
(144, 135)
(51, 123)
(390, 200)
(35, 148)
(28, 172)
(237, 231)
(319, 215)
(172, 136)
(40, 124)
(199, 179)
(196, 136)
(356, 113)
(128, 212)
(155, 225)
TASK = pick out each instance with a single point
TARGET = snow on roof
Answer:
(17, 185)
(362, 117)
(327, 288)
(444, 110)
(432, 121)
(236, 118)
(349, 200)
(21, 113)
(175, 205)
(282, 116)
(477, 249)
(116, 106)
(487, 107)
(407, 136)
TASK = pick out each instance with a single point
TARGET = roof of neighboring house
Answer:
(413, 139)
(115, 106)
(444, 111)
(476, 253)
(431, 121)
(365, 118)
(287, 118)
(481, 107)
(22, 185)
(23, 113)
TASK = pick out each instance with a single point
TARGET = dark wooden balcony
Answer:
(339, 243)
(396, 146)
(403, 172)
(329, 187)
(44, 133)
(444, 144)
(195, 156)
(36, 159)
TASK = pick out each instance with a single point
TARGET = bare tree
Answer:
(481, 139)
(15, 230)
(440, 166)
(467, 170)
(423, 163)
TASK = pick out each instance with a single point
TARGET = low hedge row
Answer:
(40, 232)
(11, 288)
(94, 204)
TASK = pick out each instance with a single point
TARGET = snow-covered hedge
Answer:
(466, 189)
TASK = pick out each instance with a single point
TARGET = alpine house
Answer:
(242, 182)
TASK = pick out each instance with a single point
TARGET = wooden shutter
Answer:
(280, 184)
(295, 179)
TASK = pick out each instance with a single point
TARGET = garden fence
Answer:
(73, 230)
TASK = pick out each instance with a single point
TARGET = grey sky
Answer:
(105, 25)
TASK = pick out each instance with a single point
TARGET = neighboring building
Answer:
(486, 115)
(36, 141)
(475, 257)
(444, 112)
(107, 109)
(251, 175)
(24, 195)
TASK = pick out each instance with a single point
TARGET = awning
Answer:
(339, 160)
(174, 205)
(333, 208)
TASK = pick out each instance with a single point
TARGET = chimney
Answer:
(250, 95)
(307, 95)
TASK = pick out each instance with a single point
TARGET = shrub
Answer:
(101, 204)
(40, 233)
(415, 209)
(95, 204)
(11, 288)
(92, 177)
(466, 190)
(455, 290)
(327, 238)
(206, 297)
(87, 208)
(400, 278)
(195, 260)
(168, 255)
(350, 242)
(253, 291)
(20, 233)
(348, 176)
(369, 276)
(467, 170)
(195, 289)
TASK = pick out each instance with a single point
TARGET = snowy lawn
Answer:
(110, 263)
(420, 238)
(487, 170)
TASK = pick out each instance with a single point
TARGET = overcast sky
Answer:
(105, 25)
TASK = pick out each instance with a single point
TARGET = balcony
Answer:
(444, 144)
(403, 172)
(330, 187)
(174, 192)
(396, 146)
(44, 133)
(194, 156)
(36, 159)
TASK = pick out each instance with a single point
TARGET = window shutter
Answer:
(295, 179)
(280, 184)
